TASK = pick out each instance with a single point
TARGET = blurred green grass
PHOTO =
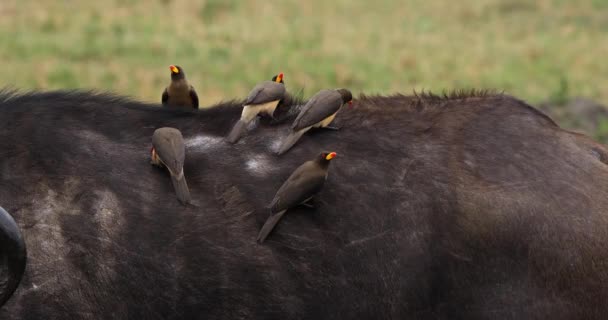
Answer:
(527, 48)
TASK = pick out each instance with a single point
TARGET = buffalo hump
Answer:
(472, 205)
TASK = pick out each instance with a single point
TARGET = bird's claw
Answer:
(309, 204)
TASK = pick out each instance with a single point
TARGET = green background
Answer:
(536, 50)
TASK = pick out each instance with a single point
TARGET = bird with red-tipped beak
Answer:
(179, 93)
(318, 112)
(299, 189)
(263, 99)
(168, 150)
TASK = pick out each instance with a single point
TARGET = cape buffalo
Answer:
(470, 205)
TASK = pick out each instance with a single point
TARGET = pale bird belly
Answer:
(326, 122)
(251, 111)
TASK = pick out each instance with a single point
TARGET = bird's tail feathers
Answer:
(269, 225)
(237, 131)
(181, 188)
(291, 140)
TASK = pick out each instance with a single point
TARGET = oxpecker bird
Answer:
(179, 93)
(263, 99)
(318, 112)
(168, 150)
(299, 189)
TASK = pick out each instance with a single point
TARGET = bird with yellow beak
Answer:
(263, 99)
(299, 189)
(179, 93)
(318, 112)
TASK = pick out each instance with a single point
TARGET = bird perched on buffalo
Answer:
(318, 112)
(263, 99)
(168, 150)
(179, 93)
(299, 189)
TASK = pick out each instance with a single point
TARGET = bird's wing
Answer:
(303, 183)
(321, 106)
(169, 145)
(265, 92)
(269, 225)
(165, 97)
(181, 188)
(194, 97)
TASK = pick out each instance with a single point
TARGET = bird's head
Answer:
(278, 78)
(176, 72)
(325, 157)
(347, 96)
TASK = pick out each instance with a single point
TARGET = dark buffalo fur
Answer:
(472, 205)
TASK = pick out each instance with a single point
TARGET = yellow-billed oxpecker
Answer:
(179, 93)
(263, 99)
(318, 112)
(299, 189)
(168, 150)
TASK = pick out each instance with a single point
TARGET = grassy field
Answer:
(528, 48)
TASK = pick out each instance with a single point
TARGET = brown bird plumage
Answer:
(168, 150)
(301, 186)
(263, 99)
(319, 112)
(179, 93)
